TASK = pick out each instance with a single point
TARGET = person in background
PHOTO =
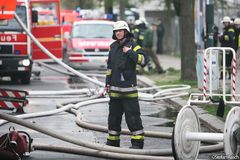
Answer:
(215, 35)
(150, 46)
(227, 39)
(237, 33)
(138, 36)
(121, 84)
(160, 35)
(138, 31)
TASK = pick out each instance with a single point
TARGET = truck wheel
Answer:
(26, 78)
(14, 79)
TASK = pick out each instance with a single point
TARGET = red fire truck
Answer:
(17, 51)
(48, 29)
(15, 46)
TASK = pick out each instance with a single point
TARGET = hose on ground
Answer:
(97, 153)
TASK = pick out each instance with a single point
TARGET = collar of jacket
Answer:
(124, 42)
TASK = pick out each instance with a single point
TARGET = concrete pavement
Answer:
(168, 61)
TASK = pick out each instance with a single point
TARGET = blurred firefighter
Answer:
(227, 40)
(121, 84)
(160, 35)
(215, 35)
(150, 45)
(237, 33)
(138, 31)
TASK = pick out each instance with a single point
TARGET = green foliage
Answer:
(212, 109)
(172, 76)
(176, 4)
(84, 4)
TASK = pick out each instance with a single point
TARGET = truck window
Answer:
(92, 31)
(12, 25)
(47, 13)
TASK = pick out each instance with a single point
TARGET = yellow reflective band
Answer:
(117, 95)
(226, 38)
(231, 30)
(109, 72)
(140, 58)
(141, 37)
(114, 95)
(138, 137)
(132, 95)
(113, 138)
(136, 48)
(136, 30)
(239, 41)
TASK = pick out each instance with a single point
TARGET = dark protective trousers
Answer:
(154, 58)
(129, 106)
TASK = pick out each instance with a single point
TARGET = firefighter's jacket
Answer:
(138, 34)
(121, 69)
(228, 37)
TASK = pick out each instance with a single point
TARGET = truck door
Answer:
(48, 28)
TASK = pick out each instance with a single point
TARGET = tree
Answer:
(73, 4)
(122, 6)
(108, 6)
(89, 4)
(185, 11)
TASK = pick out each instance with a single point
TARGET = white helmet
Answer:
(143, 20)
(237, 21)
(138, 22)
(120, 25)
(226, 19)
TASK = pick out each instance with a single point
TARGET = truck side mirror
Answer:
(34, 16)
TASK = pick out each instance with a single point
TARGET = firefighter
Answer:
(140, 27)
(160, 35)
(121, 84)
(227, 40)
(237, 33)
(228, 35)
(138, 31)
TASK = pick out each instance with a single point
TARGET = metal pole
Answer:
(205, 75)
(210, 73)
(224, 75)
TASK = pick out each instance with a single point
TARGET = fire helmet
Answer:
(138, 22)
(237, 21)
(120, 25)
(226, 19)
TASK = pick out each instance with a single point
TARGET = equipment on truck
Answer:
(47, 28)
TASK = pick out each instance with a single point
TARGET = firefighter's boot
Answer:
(114, 143)
(137, 143)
